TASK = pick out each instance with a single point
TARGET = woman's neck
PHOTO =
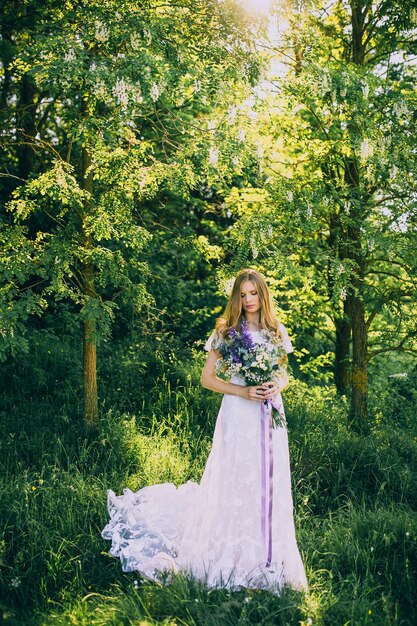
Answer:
(253, 321)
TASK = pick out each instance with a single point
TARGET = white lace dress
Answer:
(233, 529)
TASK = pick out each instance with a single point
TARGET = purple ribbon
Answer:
(266, 417)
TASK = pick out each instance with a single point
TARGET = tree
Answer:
(118, 87)
(339, 176)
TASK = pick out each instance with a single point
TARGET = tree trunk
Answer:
(359, 403)
(358, 20)
(342, 377)
(91, 417)
(355, 306)
(90, 375)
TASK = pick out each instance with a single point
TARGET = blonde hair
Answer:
(234, 314)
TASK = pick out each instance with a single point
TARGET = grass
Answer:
(354, 497)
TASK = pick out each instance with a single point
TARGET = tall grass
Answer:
(354, 497)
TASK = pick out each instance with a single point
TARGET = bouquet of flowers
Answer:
(256, 363)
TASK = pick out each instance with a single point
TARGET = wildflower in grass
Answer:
(15, 582)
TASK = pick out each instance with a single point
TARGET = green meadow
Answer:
(355, 498)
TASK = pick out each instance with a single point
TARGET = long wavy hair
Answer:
(234, 313)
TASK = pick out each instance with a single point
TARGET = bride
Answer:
(236, 527)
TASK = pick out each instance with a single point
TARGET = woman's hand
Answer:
(272, 387)
(256, 393)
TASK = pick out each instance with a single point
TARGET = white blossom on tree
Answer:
(155, 93)
(102, 32)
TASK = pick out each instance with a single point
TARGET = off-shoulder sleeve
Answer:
(212, 340)
(286, 341)
(213, 337)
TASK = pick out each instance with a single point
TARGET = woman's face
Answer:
(250, 297)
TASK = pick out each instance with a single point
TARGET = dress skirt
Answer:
(235, 528)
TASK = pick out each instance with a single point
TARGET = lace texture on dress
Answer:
(213, 529)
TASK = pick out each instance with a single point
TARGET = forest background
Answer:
(149, 151)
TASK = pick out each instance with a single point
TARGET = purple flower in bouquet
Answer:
(255, 363)
(246, 336)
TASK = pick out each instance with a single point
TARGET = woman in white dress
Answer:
(236, 528)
